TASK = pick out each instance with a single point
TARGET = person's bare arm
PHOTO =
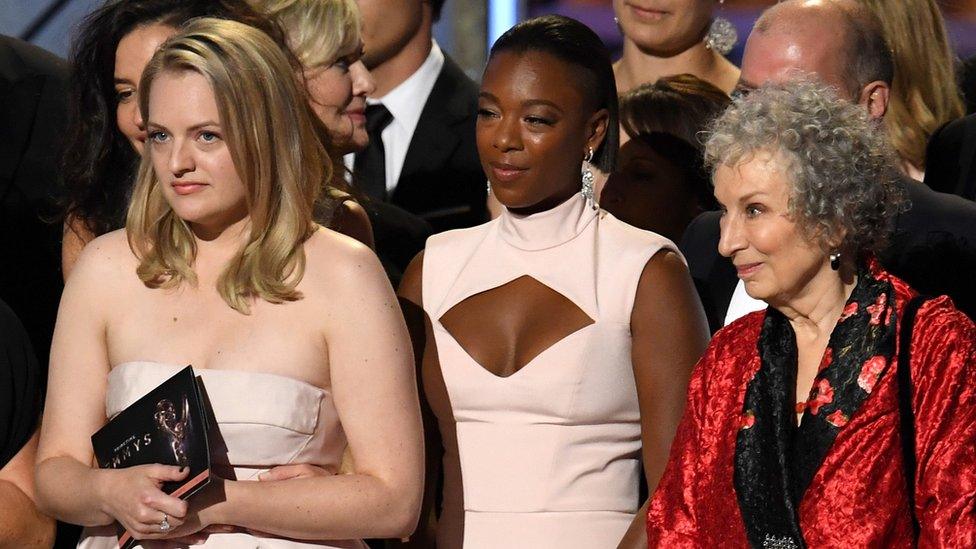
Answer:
(67, 485)
(669, 335)
(74, 236)
(21, 522)
(375, 392)
(410, 293)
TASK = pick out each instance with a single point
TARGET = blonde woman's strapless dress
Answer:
(264, 420)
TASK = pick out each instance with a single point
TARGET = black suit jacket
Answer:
(933, 248)
(32, 119)
(950, 158)
(442, 181)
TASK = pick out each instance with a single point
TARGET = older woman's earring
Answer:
(721, 36)
(587, 176)
(835, 261)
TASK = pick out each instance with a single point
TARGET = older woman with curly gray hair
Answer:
(842, 414)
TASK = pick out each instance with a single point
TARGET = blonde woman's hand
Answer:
(133, 496)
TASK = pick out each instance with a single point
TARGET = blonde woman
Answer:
(325, 37)
(293, 328)
(924, 94)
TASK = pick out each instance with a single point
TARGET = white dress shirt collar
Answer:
(742, 304)
(406, 101)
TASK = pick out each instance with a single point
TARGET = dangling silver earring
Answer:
(587, 177)
(488, 186)
(835, 261)
(616, 21)
(721, 36)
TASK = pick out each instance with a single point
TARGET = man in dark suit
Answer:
(933, 246)
(421, 120)
(32, 119)
(950, 160)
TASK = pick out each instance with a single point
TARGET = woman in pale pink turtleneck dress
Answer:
(557, 341)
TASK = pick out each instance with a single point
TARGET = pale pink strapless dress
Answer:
(550, 456)
(264, 420)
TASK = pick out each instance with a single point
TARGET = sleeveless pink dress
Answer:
(264, 419)
(549, 456)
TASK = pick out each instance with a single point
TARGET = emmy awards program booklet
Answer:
(168, 426)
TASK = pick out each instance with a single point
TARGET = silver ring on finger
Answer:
(164, 525)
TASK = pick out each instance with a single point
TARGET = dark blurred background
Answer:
(467, 26)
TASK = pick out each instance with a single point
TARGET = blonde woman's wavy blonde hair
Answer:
(924, 92)
(271, 135)
(318, 31)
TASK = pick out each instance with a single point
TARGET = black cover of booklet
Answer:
(167, 426)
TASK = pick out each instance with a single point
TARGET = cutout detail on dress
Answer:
(505, 328)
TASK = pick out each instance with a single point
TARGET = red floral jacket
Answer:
(857, 497)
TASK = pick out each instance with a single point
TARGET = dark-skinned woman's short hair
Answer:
(574, 43)
(99, 164)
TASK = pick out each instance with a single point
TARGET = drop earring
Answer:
(721, 36)
(835, 261)
(586, 173)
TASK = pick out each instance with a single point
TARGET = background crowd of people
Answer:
(665, 301)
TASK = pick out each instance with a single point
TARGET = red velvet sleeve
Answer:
(944, 385)
(671, 518)
(695, 505)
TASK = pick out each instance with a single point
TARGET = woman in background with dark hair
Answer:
(660, 184)
(555, 341)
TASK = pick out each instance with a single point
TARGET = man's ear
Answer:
(597, 129)
(874, 97)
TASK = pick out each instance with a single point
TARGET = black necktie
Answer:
(369, 167)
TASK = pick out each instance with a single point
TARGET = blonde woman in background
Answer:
(326, 38)
(924, 92)
(293, 328)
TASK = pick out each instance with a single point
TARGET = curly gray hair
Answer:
(839, 162)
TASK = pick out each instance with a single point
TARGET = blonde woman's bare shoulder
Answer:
(337, 259)
(106, 254)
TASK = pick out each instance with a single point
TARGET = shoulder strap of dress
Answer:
(905, 396)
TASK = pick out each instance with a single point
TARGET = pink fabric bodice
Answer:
(549, 456)
(264, 420)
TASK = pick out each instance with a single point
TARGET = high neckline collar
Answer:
(548, 229)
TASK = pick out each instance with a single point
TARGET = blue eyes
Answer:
(159, 136)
